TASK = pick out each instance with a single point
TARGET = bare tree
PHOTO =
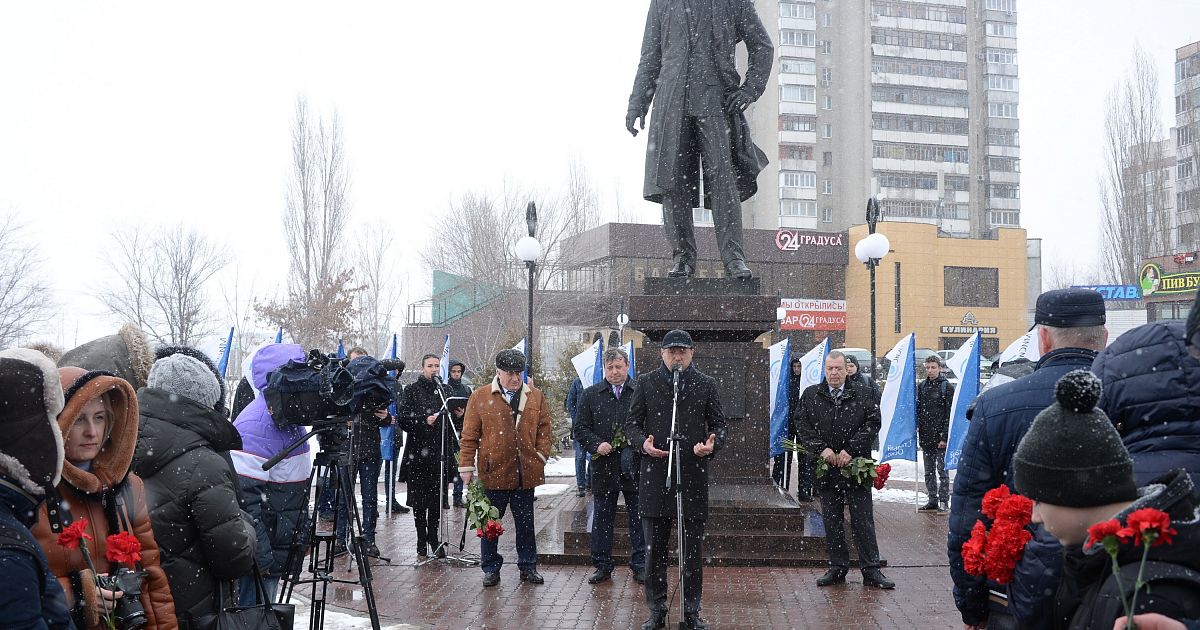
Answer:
(379, 296)
(160, 281)
(315, 217)
(25, 302)
(240, 313)
(1065, 271)
(1134, 188)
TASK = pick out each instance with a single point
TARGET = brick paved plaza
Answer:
(447, 596)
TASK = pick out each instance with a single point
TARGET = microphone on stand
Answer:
(676, 370)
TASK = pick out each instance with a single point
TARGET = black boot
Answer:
(682, 269)
(658, 619)
(738, 269)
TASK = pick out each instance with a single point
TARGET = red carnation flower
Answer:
(479, 532)
(1151, 525)
(1017, 509)
(1006, 543)
(882, 471)
(993, 499)
(1100, 531)
(73, 534)
(124, 548)
(494, 530)
(973, 549)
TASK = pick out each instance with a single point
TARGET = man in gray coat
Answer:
(687, 69)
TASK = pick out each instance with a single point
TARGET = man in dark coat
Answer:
(31, 460)
(600, 428)
(687, 69)
(1071, 331)
(702, 425)
(457, 410)
(837, 422)
(192, 493)
(935, 396)
(804, 464)
(421, 415)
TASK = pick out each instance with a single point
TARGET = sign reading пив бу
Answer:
(1153, 281)
(1115, 292)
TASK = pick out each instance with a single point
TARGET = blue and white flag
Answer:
(898, 408)
(446, 359)
(520, 347)
(588, 364)
(779, 376)
(812, 365)
(223, 362)
(632, 360)
(279, 335)
(964, 363)
(341, 353)
(387, 447)
(1025, 347)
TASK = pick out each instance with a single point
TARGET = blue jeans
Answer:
(248, 592)
(604, 509)
(522, 509)
(368, 474)
(583, 477)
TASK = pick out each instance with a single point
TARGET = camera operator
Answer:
(364, 434)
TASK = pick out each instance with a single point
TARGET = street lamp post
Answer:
(870, 251)
(529, 250)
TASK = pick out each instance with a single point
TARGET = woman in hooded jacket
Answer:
(274, 498)
(182, 455)
(99, 425)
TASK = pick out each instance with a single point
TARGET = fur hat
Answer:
(510, 361)
(167, 351)
(1072, 456)
(186, 376)
(31, 447)
(126, 354)
(111, 466)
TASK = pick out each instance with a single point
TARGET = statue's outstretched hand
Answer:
(631, 122)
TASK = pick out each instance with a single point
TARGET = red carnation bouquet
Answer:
(121, 548)
(484, 516)
(1146, 528)
(994, 554)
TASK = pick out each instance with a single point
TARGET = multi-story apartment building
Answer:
(1187, 141)
(914, 101)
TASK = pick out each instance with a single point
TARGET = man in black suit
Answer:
(700, 426)
(600, 418)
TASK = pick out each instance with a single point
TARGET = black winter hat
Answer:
(510, 361)
(1072, 455)
(677, 339)
(31, 397)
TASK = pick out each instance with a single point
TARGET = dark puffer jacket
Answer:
(192, 495)
(1152, 396)
(999, 420)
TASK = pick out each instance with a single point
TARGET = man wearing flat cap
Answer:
(700, 425)
(1071, 331)
(505, 440)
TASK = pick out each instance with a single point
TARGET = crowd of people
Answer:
(127, 488)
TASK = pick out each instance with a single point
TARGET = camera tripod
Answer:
(466, 559)
(333, 466)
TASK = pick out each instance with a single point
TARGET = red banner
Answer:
(813, 320)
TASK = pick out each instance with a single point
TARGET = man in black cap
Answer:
(507, 424)
(700, 426)
(1070, 332)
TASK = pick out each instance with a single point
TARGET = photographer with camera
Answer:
(364, 432)
(274, 498)
(99, 425)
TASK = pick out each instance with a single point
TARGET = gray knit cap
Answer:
(1072, 455)
(185, 376)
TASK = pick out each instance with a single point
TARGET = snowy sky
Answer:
(149, 112)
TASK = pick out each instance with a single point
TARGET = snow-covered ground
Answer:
(904, 478)
(560, 467)
(340, 621)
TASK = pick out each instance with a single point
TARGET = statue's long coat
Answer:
(662, 78)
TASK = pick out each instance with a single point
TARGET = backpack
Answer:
(1170, 589)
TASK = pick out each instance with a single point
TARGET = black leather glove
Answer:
(631, 121)
(737, 101)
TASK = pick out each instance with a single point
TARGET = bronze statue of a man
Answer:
(687, 69)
